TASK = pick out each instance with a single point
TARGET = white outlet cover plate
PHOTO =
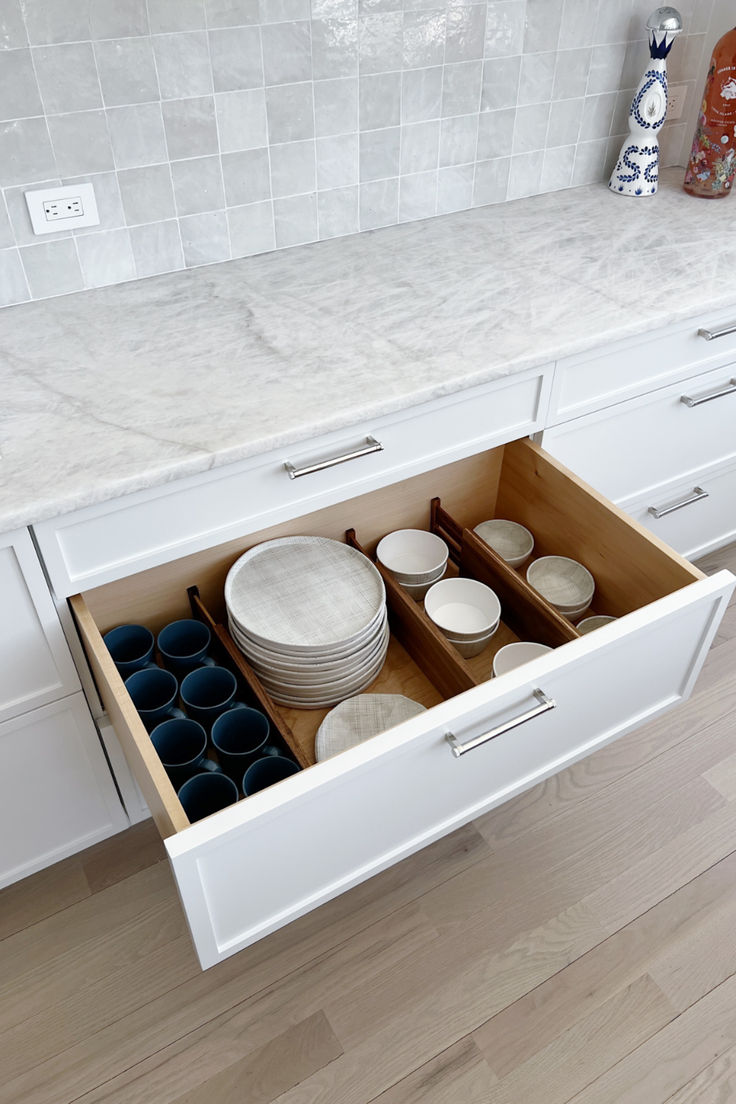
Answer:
(85, 193)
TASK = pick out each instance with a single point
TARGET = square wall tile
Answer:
(183, 65)
(379, 153)
(287, 54)
(500, 83)
(379, 204)
(417, 196)
(491, 181)
(536, 78)
(564, 122)
(505, 25)
(81, 142)
(157, 248)
(146, 194)
(13, 286)
(421, 94)
(530, 130)
(337, 161)
(571, 74)
(290, 112)
(198, 185)
(176, 15)
(52, 268)
(247, 176)
(241, 120)
(455, 189)
(590, 162)
(338, 212)
(252, 229)
(295, 220)
(334, 48)
(461, 88)
(381, 42)
(12, 27)
(232, 13)
(67, 77)
(525, 176)
(466, 27)
(420, 146)
(127, 71)
(293, 169)
(205, 238)
(283, 11)
(106, 258)
(19, 94)
(496, 133)
(113, 18)
(380, 101)
(543, 22)
(236, 59)
(137, 135)
(336, 106)
(423, 39)
(191, 127)
(597, 116)
(557, 168)
(25, 152)
(458, 139)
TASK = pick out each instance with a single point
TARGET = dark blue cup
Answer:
(239, 736)
(207, 793)
(131, 647)
(266, 771)
(208, 692)
(181, 745)
(153, 693)
(183, 646)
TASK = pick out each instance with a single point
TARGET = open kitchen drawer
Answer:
(256, 865)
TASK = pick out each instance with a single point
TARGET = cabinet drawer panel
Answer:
(308, 839)
(94, 546)
(590, 381)
(56, 784)
(704, 523)
(653, 440)
(35, 664)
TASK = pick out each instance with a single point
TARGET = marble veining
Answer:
(116, 390)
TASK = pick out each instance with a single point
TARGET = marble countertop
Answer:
(111, 391)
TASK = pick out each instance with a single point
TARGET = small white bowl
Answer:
(513, 655)
(418, 590)
(470, 648)
(513, 542)
(463, 609)
(413, 556)
(565, 583)
(588, 624)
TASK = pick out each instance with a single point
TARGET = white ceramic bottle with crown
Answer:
(637, 168)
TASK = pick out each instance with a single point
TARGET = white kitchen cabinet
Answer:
(56, 790)
(259, 864)
(35, 664)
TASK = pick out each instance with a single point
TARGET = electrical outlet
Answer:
(676, 96)
(63, 208)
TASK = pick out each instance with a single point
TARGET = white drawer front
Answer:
(702, 524)
(653, 440)
(96, 545)
(265, 861)
(35, 663)
(590, 381)
(56, 789)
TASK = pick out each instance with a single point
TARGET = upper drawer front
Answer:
(35, 664)
(652, 440)
(102, 543)
(593, 380)
(310, 838)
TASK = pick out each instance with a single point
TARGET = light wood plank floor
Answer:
(576, 944)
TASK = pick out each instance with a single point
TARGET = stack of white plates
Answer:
(310, 616)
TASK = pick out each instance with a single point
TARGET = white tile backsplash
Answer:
(214, 129)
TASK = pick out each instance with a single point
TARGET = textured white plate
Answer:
(359, 718)
(314, 682)
(302, 657)
(308, 667)
(320, 699)
(300, 593)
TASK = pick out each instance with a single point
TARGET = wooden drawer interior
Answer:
(517, 481)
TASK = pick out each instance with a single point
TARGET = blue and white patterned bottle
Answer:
(637, 168)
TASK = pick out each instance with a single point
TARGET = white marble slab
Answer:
(111, 391)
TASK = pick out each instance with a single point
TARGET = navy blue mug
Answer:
(181, 744)
(183, 646)
(208, 692)
(131, 647)
(205, 794)
(266, 771)
(153, 692)
(240, 736)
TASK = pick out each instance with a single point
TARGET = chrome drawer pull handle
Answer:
(545, 704)
(729, 390)
(721, 331)
(371, 445)
(662, 511)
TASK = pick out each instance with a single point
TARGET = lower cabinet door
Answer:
(56, 791)
(263, 862)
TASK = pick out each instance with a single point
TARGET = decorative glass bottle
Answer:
(712, 164)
